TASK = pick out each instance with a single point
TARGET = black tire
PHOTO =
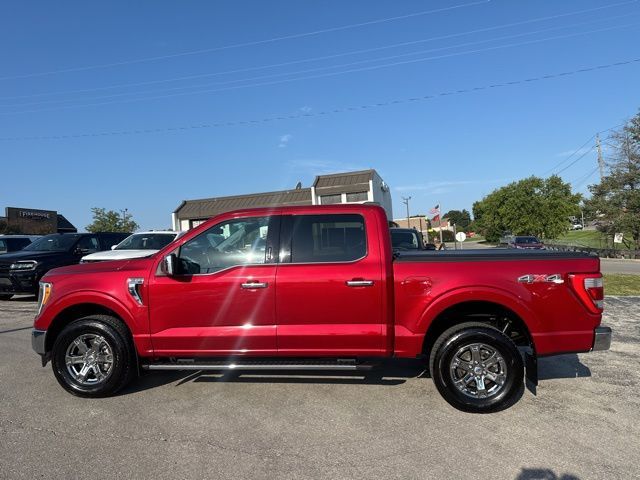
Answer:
(114, 339)
(507, 368)
(6, 296)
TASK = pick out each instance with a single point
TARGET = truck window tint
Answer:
(327, 238)
(235, 242)
(404, 240)
(88, 244)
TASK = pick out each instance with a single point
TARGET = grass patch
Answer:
(584, 238)
(621, 284)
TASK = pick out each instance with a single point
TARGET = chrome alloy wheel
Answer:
(478, 370)
(89, 359)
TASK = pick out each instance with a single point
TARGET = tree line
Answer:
(544, 206)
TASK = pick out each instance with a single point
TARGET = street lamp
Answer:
(405, 200)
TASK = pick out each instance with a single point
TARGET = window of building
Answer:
(330, 199)
(358, 197)
(328, 238)
(234, 242)
(196, 223)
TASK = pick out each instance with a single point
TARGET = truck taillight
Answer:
(590, 289)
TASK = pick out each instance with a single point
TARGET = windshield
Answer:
(527, 240)
(56, 242)
(404, 240)
(146, 241)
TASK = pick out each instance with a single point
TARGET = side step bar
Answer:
(243, 364)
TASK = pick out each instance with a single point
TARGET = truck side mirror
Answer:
(168, 265)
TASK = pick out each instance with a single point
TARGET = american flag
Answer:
(436, 212)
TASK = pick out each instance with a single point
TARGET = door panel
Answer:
(222, 299)
(213, 315)
(318, 312)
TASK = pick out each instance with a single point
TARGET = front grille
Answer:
(4, 268)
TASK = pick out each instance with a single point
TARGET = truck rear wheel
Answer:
(477, 368)
(93, 356)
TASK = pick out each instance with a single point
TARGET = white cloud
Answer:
(306, 109)
(322, 167)
(569, 153)
(284, 140)
(446, 186)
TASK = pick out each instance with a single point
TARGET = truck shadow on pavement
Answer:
(389, 373)
(543, 474)
(562, 366)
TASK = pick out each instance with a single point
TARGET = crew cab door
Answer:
(329, 287)
(221, 300)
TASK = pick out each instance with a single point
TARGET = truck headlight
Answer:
(44, 293)
(24, 265)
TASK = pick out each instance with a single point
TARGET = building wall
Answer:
(381, 194)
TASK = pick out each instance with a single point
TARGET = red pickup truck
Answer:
(319, 288)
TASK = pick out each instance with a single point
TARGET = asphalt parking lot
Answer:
(583, 424)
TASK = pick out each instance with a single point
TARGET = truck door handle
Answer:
(251, 285)
(359, 283)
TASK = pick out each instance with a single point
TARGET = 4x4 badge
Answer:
(541, 278)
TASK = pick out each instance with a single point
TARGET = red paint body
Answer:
(307, 310)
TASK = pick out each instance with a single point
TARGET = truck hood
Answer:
(117, 255)
(102, 267)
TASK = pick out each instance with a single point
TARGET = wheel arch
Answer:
(489, 312)
(74, 312)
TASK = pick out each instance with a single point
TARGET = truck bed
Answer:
(488, 254)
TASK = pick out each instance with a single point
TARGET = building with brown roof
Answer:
(349, 187)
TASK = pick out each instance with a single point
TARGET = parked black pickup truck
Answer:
(403, 239)
(21, 271)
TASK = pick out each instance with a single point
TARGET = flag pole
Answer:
(440, 221)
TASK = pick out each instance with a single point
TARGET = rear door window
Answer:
(326, 238)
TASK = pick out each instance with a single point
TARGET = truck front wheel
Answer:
(477, 368)
(93, 356)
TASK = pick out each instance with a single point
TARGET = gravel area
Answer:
(584, 422)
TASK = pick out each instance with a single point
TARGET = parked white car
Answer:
(138, 245)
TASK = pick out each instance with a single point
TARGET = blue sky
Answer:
(73, 68)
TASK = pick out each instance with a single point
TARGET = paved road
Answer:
(613, 265)
(584, 423)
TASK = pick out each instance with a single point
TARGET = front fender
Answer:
(134, 316)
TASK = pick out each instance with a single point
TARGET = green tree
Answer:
(462, 219)
(111, 221)
(532, 206)
(615, 201)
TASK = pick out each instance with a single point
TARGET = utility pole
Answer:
(600, 159)
(405, 200)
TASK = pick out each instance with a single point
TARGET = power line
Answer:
(504, 37)
(570, 156)
(579, 149)
(575, 161)
(253, 43)
(583, 180)
(354, 52)
(308, 77)
(331, 112)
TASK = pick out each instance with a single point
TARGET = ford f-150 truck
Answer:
(319, 288)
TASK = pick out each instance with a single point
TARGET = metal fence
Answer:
(601, 252)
